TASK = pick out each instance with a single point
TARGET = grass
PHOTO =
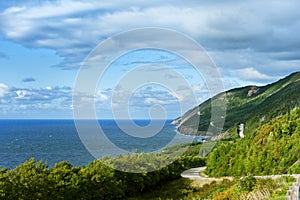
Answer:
(195, 189)
(186, 189)
(177, 189)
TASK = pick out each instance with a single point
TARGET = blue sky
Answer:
(43, 44)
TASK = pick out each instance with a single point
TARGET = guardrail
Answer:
(293, 193)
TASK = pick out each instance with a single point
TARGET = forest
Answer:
(273, 148)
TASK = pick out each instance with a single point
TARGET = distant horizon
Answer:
(69, 119)
(168, 119)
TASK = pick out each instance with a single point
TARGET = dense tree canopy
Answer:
(274, 148)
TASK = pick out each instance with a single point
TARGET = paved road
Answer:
(194, 173)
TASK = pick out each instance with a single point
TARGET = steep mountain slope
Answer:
(274, 148)
(250, 105)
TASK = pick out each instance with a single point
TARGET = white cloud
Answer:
(153, 101)
(3, 89)
(239, 36)
(34, 99)
(54, 9)
(22, 94)
(199, 88)
(251, 74)
(100, 96)
(73, 28)
(143, 97)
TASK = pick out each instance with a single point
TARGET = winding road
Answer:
(193, 173)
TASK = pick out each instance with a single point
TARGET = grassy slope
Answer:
(269, 101)
(186, 189)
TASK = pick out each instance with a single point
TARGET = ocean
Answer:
(53, 141)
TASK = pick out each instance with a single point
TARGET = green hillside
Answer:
(274, 148)
(252, 105)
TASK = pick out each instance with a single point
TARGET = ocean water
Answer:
(53, 141)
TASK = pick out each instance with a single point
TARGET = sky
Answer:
(44, 45)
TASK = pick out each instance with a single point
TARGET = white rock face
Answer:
(241, 130)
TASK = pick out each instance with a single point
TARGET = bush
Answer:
(247, 183)
(34, 180)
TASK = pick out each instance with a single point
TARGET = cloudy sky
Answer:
(44, 43)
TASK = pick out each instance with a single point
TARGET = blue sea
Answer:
(53, 141)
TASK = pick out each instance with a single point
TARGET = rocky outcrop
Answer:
(187, 131)
(176, 121)
(253, 90)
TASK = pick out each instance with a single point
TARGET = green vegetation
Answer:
(256, 189)
(98, 180)
(185, 189)
(271, 146)
(252, 105)
(244, 189)
(272, 149)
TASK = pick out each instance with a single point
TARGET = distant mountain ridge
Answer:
(250, 105)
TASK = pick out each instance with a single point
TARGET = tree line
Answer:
(99, 179)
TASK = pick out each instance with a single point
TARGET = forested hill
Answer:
(274, 148)
(251, 105)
